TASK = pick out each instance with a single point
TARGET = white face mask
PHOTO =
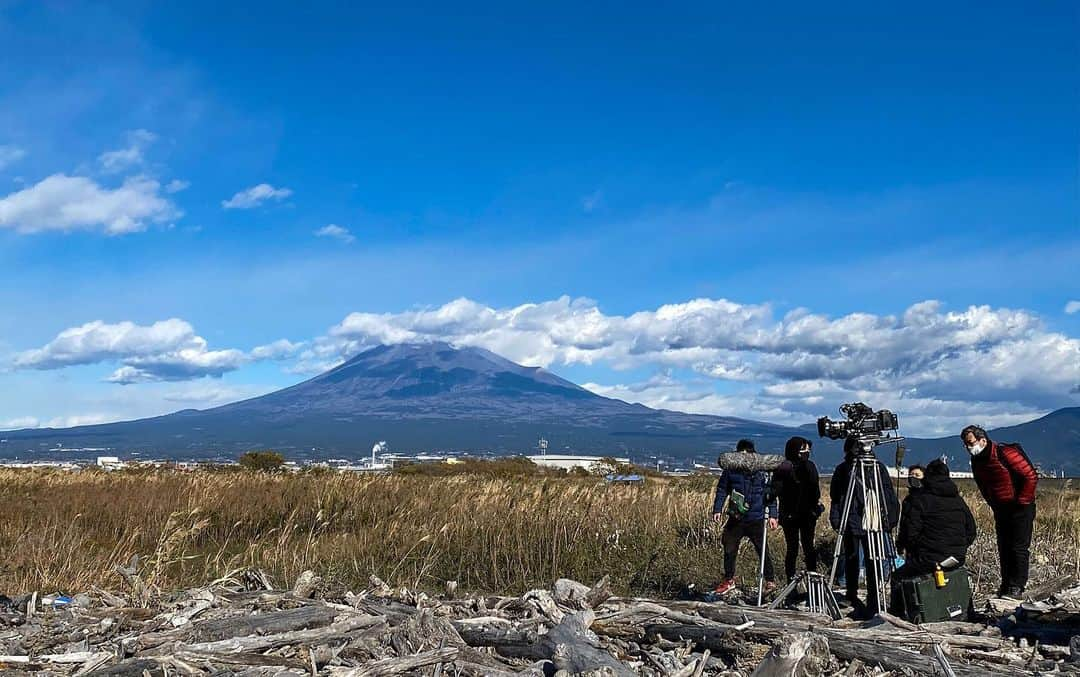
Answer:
(977, 448)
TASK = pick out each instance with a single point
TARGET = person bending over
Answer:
(1007, 480)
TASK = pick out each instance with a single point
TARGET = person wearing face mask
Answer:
(915, 483)
(1007, 480)
(936, 523)
(797, 485)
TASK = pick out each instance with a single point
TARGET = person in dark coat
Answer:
(796, 484)
(748, 500)
(936, 524)
(1007, 480)
(915, 474)
(854, 536)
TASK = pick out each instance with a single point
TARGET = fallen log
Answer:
(397, 666)
(343, 629)
(897, 658)
(503, 637)
(300, 618)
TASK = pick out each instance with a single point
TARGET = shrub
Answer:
(262, 461)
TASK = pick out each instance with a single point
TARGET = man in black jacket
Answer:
(796, 484)
(854, 536)
(936, 524)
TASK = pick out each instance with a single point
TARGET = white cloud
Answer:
(255, 196)
(78, 419)
(67, 203)
(204, 395)
(337, 232)
(177, 185)
(9, 155)
(278, 350)
(20, 423)
(168, 350)
(124, 158)
(933, 359)
(1072, 307)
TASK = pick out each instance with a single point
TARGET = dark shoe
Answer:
(863, 613)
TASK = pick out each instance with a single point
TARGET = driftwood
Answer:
(803, 655)
(238, 626)
(301, 618)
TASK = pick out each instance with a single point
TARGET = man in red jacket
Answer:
(1006, 479)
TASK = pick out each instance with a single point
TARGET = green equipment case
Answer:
(919, 600)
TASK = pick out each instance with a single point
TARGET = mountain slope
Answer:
(419, 397)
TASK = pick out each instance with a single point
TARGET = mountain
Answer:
(434, 397)
(429, 396)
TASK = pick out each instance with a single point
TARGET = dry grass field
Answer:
(66, 531)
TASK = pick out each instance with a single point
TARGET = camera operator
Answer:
(854, 537)
(937, 524)
(1007, 480)
(746, 494)
(797, 485)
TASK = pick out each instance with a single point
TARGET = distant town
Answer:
(382, 460)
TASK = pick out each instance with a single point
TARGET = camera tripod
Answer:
(864, 474)
(819, 595)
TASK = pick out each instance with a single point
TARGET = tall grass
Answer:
(67, 531)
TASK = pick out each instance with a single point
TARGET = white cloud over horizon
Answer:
(997, 365)
(1072, 307)
(168, 350)
(255, 196)
(937, 368)
(66, 203)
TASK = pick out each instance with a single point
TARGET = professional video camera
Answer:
(862, 422)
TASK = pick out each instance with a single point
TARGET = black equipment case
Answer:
(919, 600)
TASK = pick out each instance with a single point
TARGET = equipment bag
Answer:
(919, 600)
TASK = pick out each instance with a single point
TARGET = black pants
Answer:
(852, 544)
(795, 532)
(734, 531)
(1014, 523)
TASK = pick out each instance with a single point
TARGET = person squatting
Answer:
(933, 524)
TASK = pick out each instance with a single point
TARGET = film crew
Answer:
(1007, 480)
(797, 485)
(746, 493)
(854, 539)
(936, 524)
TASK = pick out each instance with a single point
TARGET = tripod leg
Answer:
(788, 589)
(844, 517)
(764, 549)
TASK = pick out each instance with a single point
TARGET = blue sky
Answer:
(835, 163)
